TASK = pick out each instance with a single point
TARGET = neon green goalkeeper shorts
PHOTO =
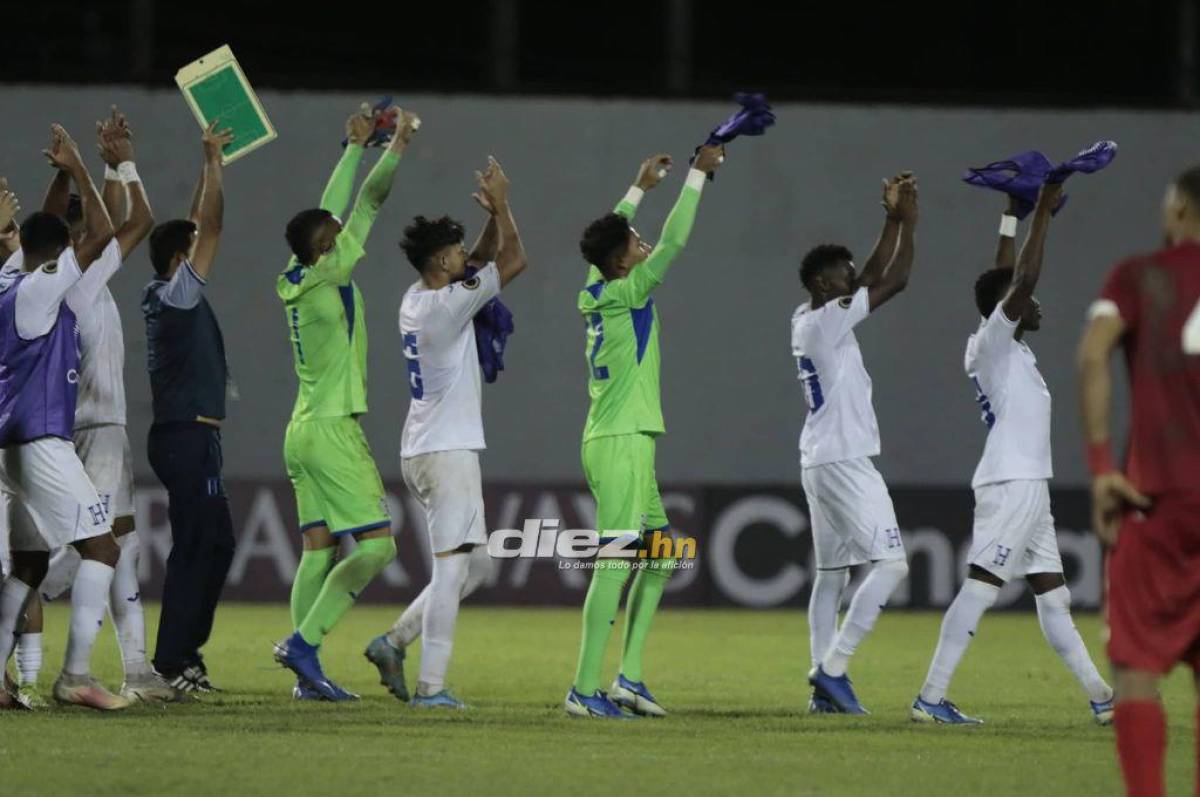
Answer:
(620, 474)
(334, 475)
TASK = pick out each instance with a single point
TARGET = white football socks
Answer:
(958, 628)
(408, 625)
(13, 595)
(440, 615)
(1054, 615)
(125, 606)
(824, 602)
(89, 598)
(60, 575)
(864, 610)
(29, 657)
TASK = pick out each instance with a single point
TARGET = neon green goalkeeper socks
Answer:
(306, 585)
(599, 614)
(644, 596)
(343, 585)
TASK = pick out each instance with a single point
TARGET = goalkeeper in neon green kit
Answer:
(623, 423)
(338, 489)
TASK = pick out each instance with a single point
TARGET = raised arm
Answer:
(1029, 262)
(650, 174)
(123, 189)
(336, 197)
(1006, 247)
(9, 206)
(116, 198)
(58, 194)
(885, 245)
(98, 230)
(1112, 493)
(210, 210)
(895, 278)
(378, 185)
(493, 195)
(487, 245)
(10, 232)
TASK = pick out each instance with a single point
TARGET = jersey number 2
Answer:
(414, 365)
(596, 321)
(1191, 332)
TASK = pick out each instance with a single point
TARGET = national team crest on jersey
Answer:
(471, 284)
(845, 302)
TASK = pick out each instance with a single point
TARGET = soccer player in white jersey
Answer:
(443, 433)
(851, 514)
(100, 437)
(51, 500)
(1013, 533)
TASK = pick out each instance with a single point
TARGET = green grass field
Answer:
(734, 681)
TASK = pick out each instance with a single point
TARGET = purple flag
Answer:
(1020, 176)
(753, 119)
(1088, 161)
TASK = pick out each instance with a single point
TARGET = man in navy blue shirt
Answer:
(188, 374)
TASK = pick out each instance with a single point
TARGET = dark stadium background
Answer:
(571, 96)
(1023, 52)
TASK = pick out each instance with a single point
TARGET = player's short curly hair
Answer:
(990, 288)
(425, 237)
(1189, 183)
(819, 258)
(299, 233)
(603, 239)
(44, 234)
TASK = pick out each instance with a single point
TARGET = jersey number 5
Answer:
(414, 365)
(1191, 332)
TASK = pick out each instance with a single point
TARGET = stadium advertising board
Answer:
(752, 545)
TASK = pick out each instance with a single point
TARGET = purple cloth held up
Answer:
(493, 324)
(1088, 161)
(753, 119)
(1020, 176)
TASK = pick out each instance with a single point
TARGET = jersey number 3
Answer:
(414, 365)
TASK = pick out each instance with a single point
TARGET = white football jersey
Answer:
(1014, 403)
(444, 377)
(101, 364)
(841, 421)
(101, 340)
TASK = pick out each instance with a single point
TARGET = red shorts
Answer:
(1153, 602)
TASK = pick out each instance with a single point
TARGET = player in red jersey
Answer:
(1150, 513)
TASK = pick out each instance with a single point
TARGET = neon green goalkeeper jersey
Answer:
(622, 332)
(323, 307)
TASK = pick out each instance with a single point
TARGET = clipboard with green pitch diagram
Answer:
(215, 87)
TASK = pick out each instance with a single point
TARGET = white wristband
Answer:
(110, 173)
(127, 173)
(696, 179)
(1008, 226)
(634, 195)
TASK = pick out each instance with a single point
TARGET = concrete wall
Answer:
(732, 404)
